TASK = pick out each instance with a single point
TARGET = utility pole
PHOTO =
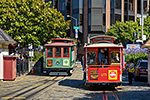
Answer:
(142, 18)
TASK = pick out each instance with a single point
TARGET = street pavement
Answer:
(43, 87)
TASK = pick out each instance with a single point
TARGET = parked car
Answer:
(141, 69)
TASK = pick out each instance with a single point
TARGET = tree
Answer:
(123, 31)
(146, 27)
(31, 21)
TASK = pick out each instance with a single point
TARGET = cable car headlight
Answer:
(57, 62)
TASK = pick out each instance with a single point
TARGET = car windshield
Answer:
(144, 64)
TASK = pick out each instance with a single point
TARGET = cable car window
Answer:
(115, 57)
(91, 58)
(66, 52)
(50, 52)
(57, 51)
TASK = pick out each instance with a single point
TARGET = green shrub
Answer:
(136, 57)
(37, 56)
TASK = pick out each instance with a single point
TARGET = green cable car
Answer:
(60, 56)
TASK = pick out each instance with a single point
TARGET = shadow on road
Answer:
(81, 85)
(141, 82)
(73, 83)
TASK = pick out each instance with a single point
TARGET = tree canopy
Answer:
(124, 30)
(31, 21)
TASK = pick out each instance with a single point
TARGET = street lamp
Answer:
(76, 30)
(142, 18)
(73, 18)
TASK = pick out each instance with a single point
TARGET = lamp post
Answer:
(142, 18)
(73, 18)
(76, 30)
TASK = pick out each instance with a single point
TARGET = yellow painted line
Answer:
(31, 79)
(13, 97)
(58, 79)
(79, 66)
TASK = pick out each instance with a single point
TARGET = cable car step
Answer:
(58, 73)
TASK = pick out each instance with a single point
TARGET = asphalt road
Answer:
(42, 87)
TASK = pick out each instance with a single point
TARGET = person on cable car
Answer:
(101, 58)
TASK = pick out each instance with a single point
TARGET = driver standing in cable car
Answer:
(101, 58)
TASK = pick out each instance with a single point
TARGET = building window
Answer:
(144, 6)
(76, 16)
(138, 6)
(118, 4)
(117, 17)
(125, 18)
(104, 19)
(130, 4)
(50, 52)
(66, 51)
(112, 4)
(104, 4)
(81, 3)
(131, 18)
(75, 4)
(89, 19)
(62, 5)
(89, 3)
(125, 6)
(112, 20)
(81, 19)
(57, 51)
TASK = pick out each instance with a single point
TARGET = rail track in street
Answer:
(104, 95)
(31, 89)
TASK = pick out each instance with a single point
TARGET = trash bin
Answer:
(9, 67)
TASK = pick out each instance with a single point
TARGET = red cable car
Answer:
(110, 72)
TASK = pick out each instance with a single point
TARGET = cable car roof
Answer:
(61, 44)
(103, 45)
(105, 36)
(102, 38)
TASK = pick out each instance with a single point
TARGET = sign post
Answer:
(31, 53)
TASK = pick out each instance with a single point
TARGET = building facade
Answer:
(95, 16)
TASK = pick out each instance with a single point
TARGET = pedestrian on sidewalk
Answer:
(84, 73)
(130, 69)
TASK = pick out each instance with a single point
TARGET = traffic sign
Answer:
(30, 46)
(75, 27)
(144, 37)
(76, 33)
(31, 53)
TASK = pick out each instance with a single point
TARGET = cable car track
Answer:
(32, 89)
(105, 95)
